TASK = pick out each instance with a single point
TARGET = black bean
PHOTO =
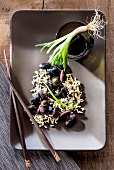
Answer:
(53, 70)
(38, 111)
(64, 92)
(50, 84)
(50, 109)
(35, 100)
(45, 65)
(44, 103)
(55, 112)
(32, 109)
(71, 120)
(62, 76)
(64, 115)
(61, 86)
(43, 109)
(42, 96)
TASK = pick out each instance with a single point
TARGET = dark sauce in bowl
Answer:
(81, 44)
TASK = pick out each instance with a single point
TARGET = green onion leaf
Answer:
(58, 101)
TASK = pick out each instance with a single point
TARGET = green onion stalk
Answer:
(60, 53)
(57, 100)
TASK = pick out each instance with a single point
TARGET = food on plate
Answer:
(57, 96)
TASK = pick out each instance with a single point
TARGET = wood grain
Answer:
(87, 160)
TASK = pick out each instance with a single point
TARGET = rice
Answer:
(74, 97)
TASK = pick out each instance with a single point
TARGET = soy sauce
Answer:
(77, 45)
(81, 44)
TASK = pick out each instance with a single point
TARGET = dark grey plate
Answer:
(29, 27)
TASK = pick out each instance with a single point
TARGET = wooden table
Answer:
(87, 160)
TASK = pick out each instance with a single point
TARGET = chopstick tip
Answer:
(27, 162)
(56, 156)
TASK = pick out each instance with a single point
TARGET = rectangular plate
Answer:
(29, 27)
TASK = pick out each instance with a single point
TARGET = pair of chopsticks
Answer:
(42, 135)
(27, 161)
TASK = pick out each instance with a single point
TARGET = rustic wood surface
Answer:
(87, 160)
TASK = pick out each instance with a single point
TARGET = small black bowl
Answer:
(81, 44)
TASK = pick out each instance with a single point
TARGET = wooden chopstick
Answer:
(27, 161)
(42, 135)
